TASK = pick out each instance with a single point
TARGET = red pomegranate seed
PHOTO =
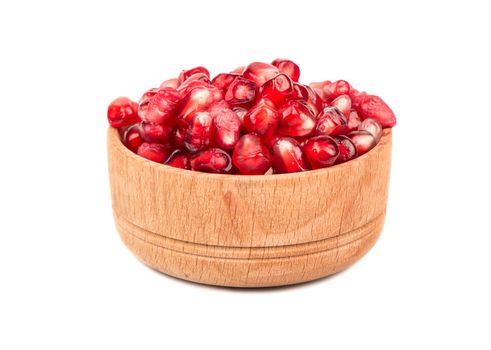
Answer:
(353, 120)
(153, 151)
(185, 74)
(373, 127)
(343, 103)
(347, 149)
(132, 137)
(278, 89)
(194, 81)
(287, 156)
(238, 70)
(320, 151)
(156, 133)
(296, 119)
(192, 85)
(213, 160)
(199, 99)
(300, 92)
(179, 159)
(356, 98)
(337, 88)
(288, 67)
(122, 112)
(250, 156)
(172, 83)
(314, 101)
(225, 127)
(161, 107)
(223, 80)
(241, 92)
(330, 122)
(260, 72)
(148, 95)
(198, 133)
(261, 119)
(319, 89)
(374, 107)
(363, 141)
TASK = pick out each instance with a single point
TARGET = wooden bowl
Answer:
(249, 231)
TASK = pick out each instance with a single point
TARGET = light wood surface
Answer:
(249, 231)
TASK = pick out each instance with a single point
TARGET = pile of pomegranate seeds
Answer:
(254, 120)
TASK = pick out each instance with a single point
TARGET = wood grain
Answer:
(249, 231)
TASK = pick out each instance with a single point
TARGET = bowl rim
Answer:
(113, 134)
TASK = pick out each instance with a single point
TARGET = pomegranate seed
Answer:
(122, 112)
(250, 156)
(179, 159)
(161, 107)
(330, 122)
(278, 89)
(336, 89)
(288, 67)
(287, 156)
(306, 94)
(186, 88)
(343, 103)
(172, 83)
(261, 119)
(356, 98)
(363, 141)
(319, 89)
(314, 100)
(194, 81)
(260, 72)
(153, 151)
(213, 160)
(238, 70)
(373, 127)
(300, 92)
(320, 151)
(132, 137)
(374, 107)
(296, 119)
(223, 80)
(197, 135)
(241, 92)
(199, 99)
(148, 95)
(156, 133)
(185, 74)
(353, 120)
(347, 149)
(225, 127)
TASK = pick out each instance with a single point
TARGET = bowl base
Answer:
(249, 267)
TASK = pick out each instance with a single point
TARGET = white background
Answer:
(66, 280)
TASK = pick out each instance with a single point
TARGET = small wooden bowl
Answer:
(249, 231)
